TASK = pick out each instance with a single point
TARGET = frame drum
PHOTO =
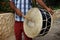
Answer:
(40, 24)
(7, 26)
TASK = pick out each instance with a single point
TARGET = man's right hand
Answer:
(28, 18)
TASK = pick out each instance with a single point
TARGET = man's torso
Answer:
(24, 6)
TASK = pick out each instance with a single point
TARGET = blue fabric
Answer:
(24, 6)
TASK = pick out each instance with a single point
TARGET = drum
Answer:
(7, 26)
(40, 24)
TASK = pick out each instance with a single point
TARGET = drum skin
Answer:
(7, 26)
(40, 24)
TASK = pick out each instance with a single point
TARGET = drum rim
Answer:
(6, 13)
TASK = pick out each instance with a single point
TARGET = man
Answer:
(21, 7)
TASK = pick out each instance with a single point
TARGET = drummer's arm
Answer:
(44, 6)
(13, 7)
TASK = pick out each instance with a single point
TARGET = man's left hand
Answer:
(50, 10)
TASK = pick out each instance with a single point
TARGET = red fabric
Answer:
(18, 29)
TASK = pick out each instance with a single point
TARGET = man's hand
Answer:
(28, 18)
(25, 17)
(45, 6)
(50, 10)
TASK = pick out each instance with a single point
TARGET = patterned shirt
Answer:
(24, 6)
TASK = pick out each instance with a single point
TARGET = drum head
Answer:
(33, 28)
